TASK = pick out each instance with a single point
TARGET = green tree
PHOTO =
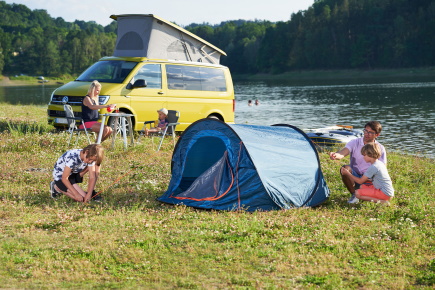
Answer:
(52, 63)
(2, 59)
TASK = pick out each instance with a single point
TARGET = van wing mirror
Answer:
(140, 83)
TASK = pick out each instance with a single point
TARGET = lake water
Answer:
(406, 110)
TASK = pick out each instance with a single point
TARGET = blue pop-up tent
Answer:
(231, 167)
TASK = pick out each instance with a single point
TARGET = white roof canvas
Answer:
(147, 35)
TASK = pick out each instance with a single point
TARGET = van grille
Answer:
(61, 114)
(72, 100)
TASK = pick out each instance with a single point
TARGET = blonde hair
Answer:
(92, 87)
(95, 150)
(371, 150)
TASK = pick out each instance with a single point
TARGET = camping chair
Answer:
(172, 117)
(72, 125)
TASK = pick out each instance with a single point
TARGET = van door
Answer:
(197, 92)
(184, 92)
(145, 101)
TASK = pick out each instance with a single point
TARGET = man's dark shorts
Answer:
(73, 178)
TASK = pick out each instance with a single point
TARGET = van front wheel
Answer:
(128, 125)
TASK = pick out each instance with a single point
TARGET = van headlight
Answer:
(102, 100)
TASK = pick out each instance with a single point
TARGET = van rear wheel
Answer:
(213, 117)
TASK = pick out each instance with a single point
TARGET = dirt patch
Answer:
(6, 82)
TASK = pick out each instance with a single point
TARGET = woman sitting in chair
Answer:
(90, 108)
(162, 122)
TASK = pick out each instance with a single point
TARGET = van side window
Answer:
(195, 78)
(213, 79)
(152, 74)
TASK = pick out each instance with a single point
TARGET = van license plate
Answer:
(61, 121)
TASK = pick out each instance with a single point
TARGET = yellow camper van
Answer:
(156, 64)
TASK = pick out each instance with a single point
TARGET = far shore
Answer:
(7, 82)
(425, 72)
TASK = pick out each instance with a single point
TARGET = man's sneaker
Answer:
(353, 199)
(96, 197)
(53, 192)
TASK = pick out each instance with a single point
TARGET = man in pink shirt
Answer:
(358, 165)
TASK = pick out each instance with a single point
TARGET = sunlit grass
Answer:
(132, 241)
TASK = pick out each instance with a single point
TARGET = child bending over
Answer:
(381, 190)
(70, 169)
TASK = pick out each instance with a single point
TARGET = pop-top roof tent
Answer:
(245, 167)
(147, 35)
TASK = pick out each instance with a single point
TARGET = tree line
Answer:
(33, 43)
(330, 34)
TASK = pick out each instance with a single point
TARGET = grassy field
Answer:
(132, 241)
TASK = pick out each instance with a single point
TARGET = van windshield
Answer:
(107, 71)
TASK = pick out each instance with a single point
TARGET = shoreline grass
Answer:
(33, 81)
(344, 74)
(132, 241)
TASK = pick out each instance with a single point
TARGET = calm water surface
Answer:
(405, 109)
(36, 95)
